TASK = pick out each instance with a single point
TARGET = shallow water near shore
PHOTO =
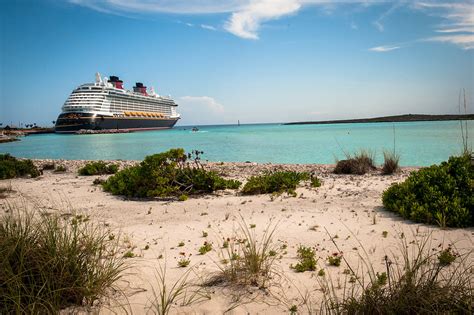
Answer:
(418, 143)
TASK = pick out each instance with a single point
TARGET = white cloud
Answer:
(384, 48)
(206, 103)
(246, 22)
(208, 27)
(200, 110)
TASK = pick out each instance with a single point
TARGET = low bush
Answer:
(49, 166)
(359, 164)
(48, 263)
(98, 168)
(171, 173)
(60, 169)
(11, 167)
(274, 182)
(390, 163)
(440, 194)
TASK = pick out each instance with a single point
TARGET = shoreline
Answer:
(228, 169)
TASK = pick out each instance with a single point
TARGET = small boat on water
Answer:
(195, 129)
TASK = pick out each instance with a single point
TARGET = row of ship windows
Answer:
(127, 108)
(128, 97)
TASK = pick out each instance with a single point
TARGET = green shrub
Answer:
(307, 259)
(441, 194)
(98, 168)
(60, 169)
(11, 167)
(49, 166)
(358, 164)
(167, 174)
(274, 182)
(48, 263)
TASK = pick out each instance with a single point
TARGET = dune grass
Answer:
(182, 292)
(390, 162)
(48, 262)
(247, 259)
(359, 163)
(423, 281)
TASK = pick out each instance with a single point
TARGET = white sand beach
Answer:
(347, 208)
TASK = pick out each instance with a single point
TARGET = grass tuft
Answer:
(390, 164)
(182, 292)
(418, 283)
(247, 260)
(359, 164)
(48, 263)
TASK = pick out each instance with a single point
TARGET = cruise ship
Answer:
(105, 104)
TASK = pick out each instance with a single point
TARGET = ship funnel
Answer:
(116, 82)
(140, 88)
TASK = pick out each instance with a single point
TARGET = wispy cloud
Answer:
(208, 27)
(246, 17)
(459, 21)
(384, 48)
(379, 22)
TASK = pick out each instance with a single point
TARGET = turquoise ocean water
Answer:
(418, 143)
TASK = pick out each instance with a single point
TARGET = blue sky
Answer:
(248, 60)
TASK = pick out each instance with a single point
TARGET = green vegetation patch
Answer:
(11, 167)
(274, 182)
(98, 168)
(307, 259)
(48, 263)
(440, 194)
(171, 173)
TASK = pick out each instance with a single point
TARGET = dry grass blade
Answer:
(421, 284)
(247, 260)
(183, 292)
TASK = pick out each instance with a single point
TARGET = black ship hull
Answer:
(72, 122)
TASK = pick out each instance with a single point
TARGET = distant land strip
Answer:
(398, 118)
